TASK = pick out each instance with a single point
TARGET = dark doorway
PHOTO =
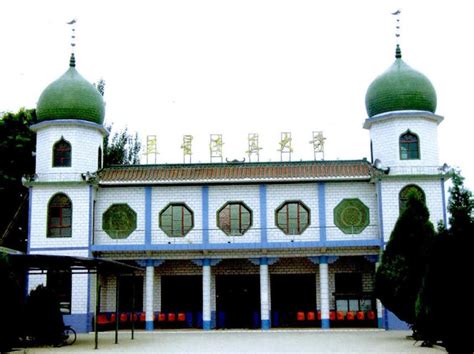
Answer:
(292, 293)
(181, 293)
(126, 289)
(238, 300)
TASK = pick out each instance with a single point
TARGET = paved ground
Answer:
(234, 341)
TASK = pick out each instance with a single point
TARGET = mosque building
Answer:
(232, 244)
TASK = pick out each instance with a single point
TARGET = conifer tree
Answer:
(398, 278)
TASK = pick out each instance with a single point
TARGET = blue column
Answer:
(263, 214)
(148, 193)
(443, 203)
(322, 212)
(380, 212)
(205, 215)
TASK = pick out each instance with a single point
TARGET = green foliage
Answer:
(351, 216)
(45, 320)
(17, 143)
(121, 148)
(443, 306)
(11, 306)
(399, 277)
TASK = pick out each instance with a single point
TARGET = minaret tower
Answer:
(69, 145)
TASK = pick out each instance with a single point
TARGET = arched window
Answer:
(62, 153)
(60, 216)
(409, 146)
(99, 158)
(406, 191)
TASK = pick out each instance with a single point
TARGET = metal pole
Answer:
(97, 310)
(133, 307)
(117, 281)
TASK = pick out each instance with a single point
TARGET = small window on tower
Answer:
(62, 154)
(409, 146)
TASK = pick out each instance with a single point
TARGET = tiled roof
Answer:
(237, 172)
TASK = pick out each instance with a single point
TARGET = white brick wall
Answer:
(277, 195)
(161, 197)
(385, 137)
(85, 142)
(135, 198)
(335, 193)
(79, 195)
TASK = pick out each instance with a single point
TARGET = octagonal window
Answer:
(292, 217)
(119, 221)
(176, 220)
(234, 218)
(351, 216)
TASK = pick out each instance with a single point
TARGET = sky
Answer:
(201, 67)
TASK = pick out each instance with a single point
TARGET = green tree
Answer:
(17, 144)
(443, 309)
(121, 148)
(399, 276)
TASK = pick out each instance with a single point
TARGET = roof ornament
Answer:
(72, 61)
(398, 52)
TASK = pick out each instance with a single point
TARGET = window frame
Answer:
(408, 144)
(61, 226)
(300, 230)
(183, 229)
(65, 161)
(241, 229)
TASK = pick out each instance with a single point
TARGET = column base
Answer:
(325, 323)
(265, 324)
(206, 325)
(149, 326)
(380, 322)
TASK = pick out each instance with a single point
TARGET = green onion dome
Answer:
(400, 88)
(71, 97)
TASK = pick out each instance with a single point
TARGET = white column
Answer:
(379, 313)
(149, 280)
(206, 295)
(264, 294)
(324, 290)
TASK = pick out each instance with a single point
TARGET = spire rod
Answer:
(72, 60)
(398, 51)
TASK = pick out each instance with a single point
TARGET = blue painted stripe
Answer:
(149, 326)
(265, 324)
(80, 322)
(380, 322)
(380, 212)
(325, 323)
(91, 218)
(443, 203)
(263, 213)
(323, 260)
(205, 214)
(91, 241)
(148, 193)
(30, 201)
(206, 325)
(206, 262)
(234, 246)
(35, 249)
(322, 211)
(264, 261)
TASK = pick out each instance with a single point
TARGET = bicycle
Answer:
(69, 336)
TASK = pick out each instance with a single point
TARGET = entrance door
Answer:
(181, 293)
(126, 284)
(238, 300)
(292, 293)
